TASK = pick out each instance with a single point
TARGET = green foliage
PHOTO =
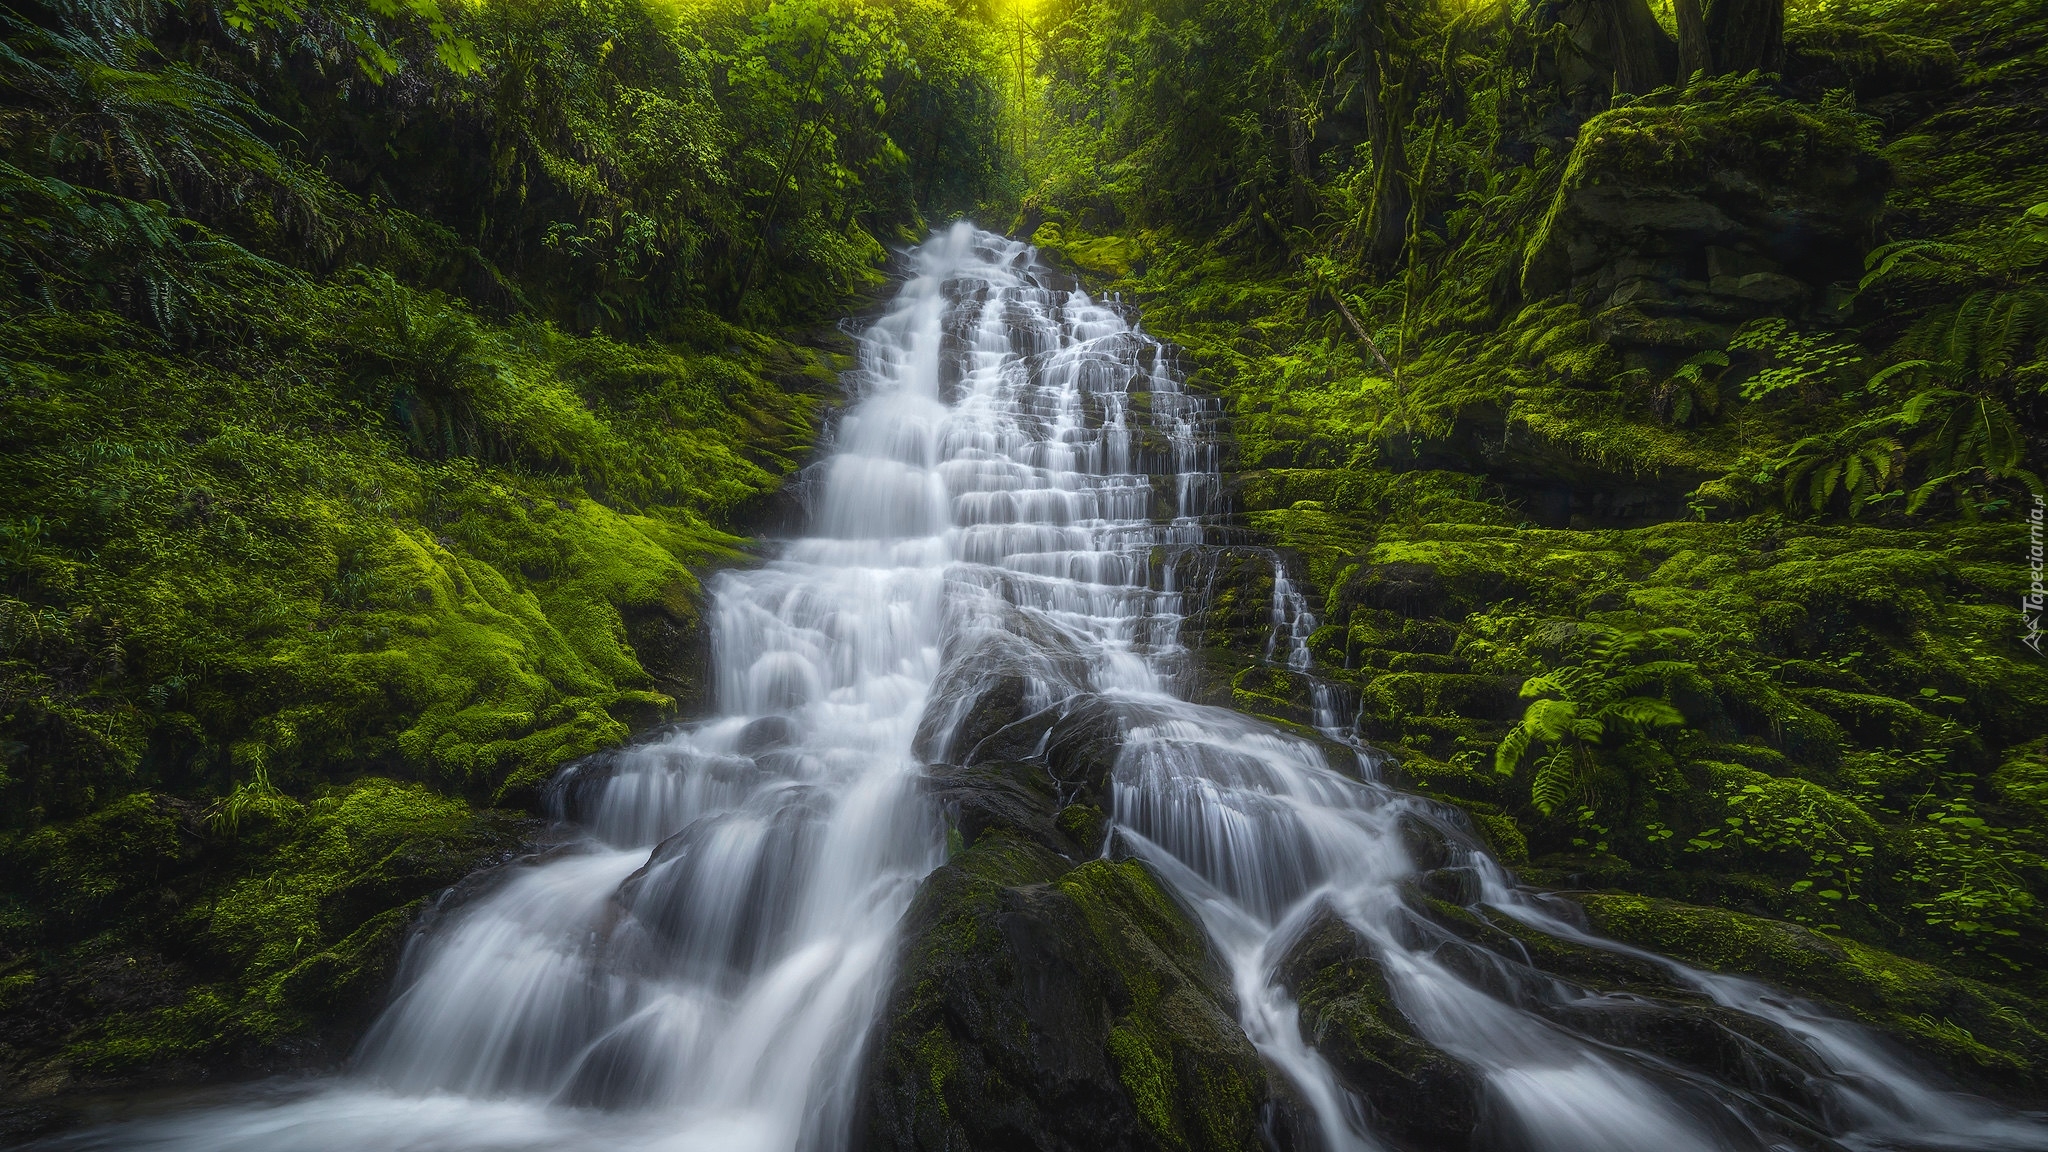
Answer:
(1486, 455)
(372, 382)
(612, 165)
(286, 571)
(1795, 818)
(291, 914)
(1863, 461)
(1581, 706)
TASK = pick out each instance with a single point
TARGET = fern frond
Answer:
(1554, 783)
(1648, 712)
(1512, 748)
(1550, 719)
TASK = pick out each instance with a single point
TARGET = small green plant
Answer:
(1792, 817)
(1974, 881)
(1864, 462)
(1969, 439)
(1791, 358)
(1694, 388)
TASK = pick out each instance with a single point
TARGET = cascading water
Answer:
(1021, 487)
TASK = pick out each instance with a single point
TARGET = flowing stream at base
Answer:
(1020, 482)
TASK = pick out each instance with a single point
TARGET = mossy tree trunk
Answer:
(1385, 105)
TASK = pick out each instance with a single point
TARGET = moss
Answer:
(1082, 823)
(2022, 779)
(1148, 1077)
(1184, 1062)
(1502, 836)
(101, 861)
(305, 927)
(940, 1060)
(234, 580)
(1119, 898)
(1110, 257)
(293, 583)
(1987, 1030)
(1127, 1043)
(1876, 61)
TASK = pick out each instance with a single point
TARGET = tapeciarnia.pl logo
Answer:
(2030, 604)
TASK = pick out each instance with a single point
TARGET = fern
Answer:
(1970, 435)
(1579, 708)
(1864, 461)
(1983, 339)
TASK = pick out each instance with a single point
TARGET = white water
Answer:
(1021, 488)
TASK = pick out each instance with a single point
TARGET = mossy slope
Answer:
(377, 536)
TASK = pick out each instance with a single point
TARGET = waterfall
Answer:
(1018, 493)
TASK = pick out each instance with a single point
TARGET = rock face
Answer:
(1673, 226)
(1044, 1004)
(1981, 1033)
(1048, 1006)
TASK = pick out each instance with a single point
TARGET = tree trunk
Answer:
(1694, 55)
(1747, 35)
(1643, 53)
(1385, 110)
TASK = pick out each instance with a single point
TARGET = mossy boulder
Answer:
(1418, 1094)
(1685, 213)
(1046, 1006)
(1048, 998)
(1426, 1098)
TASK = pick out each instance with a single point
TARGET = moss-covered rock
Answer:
(153, 939)
(1424, 1098)
(1680, 215)
(1986, 1033)
(1042, 1005)
(1417, 1093)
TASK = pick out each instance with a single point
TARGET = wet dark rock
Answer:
(766, 733)
(1425, 843)
(1077, 741)
(1458, 886)
(1044, 1005)
(961, 718)
(1419, 1095)
(1404, 588)
(668, 637)
(1003, 795)
(1634, 1007)
(1982, 1034)
(1734, 1049)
